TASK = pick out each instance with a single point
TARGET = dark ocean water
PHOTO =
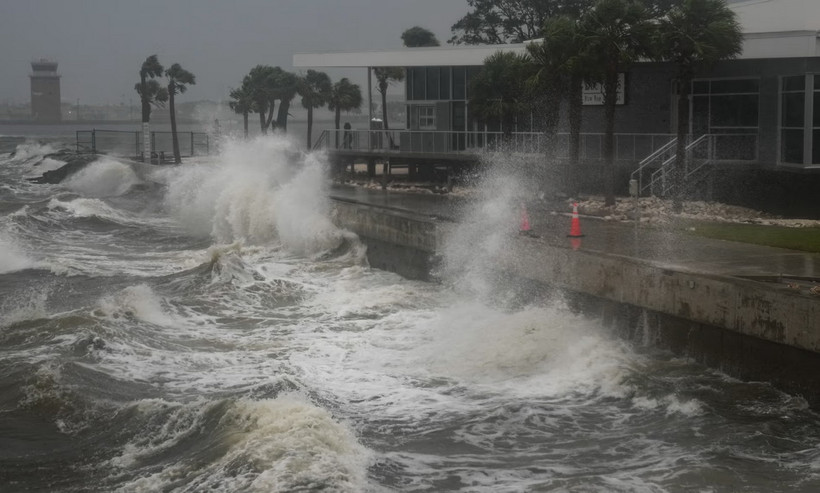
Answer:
(206, 328)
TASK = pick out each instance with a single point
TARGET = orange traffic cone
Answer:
(524, 228)
(575, 227)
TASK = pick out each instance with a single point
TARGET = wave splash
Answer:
(256, 192)
(280, 444)
(105, 177)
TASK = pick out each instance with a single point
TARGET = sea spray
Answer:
(105, 177)
(470, 253)
(12, 259)
(257, 191)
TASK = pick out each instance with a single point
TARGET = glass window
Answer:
(793, 109)
(737, 110)
(816, 105)
(432, 83)
(794, 83)
(459, 84)
(459, 116)
(734, 86)
(700, 87)
(427, 117)
(792, 145)
(419, 83)
(408, 85)
(471, 74)
(444, 91)
(815, 154)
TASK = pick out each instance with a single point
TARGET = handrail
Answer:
(637, 175)
(320, 141)
(660, 174)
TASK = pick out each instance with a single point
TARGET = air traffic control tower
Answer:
(45, 90)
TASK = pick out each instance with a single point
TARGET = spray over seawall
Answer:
(488, 226)
(256, 192)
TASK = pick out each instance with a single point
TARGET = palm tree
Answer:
(618, 33)
(151, 93)
(315, 89)
(260, 83)
(499, 90)
(384, 77)
(344, 96)
(562, 68)
(178, 81)
(241, 103)
(694, 35)
(285, 89)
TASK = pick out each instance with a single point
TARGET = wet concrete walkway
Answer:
(664, 247)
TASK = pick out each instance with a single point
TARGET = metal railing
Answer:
(701, 156)
(628, 146)
(129, 143)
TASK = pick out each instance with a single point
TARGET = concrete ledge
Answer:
(750, 329)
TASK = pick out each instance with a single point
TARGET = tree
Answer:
(694, 35)
(260, 83)
(510, 21)
(241, 103)
(418, 36)
(384, 77)
(284, 90)
(178, 81)
(499, 90)
(315, 88)
(151, 93)
(562, 68)
(344, 96)
(617, 33)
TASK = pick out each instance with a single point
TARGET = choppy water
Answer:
(206, 328)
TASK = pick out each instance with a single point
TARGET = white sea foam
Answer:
(280, 444)
(25, 304)
(12, 258)
(105, 177)
(48, 164)
(32, 149)
(256, 192)
(139, 302)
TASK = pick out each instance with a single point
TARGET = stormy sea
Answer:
(206, 327)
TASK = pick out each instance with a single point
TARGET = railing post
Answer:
(192, 144)
(94, 140)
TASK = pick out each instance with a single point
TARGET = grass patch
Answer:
(804, 239)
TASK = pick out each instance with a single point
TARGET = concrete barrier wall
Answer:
(750, 329)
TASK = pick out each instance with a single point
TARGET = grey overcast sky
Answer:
(100, 44)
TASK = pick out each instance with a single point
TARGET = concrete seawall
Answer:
(750, 329)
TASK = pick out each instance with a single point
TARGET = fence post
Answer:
(192, 144)
(94, 140)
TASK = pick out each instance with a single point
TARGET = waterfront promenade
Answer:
(746, 309)
(676, 250)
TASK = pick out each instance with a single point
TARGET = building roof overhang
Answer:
(406, 57)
